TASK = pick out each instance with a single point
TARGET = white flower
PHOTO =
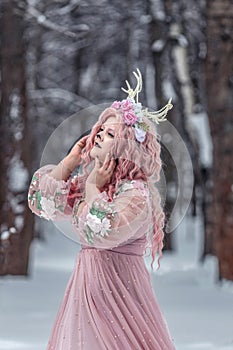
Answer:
(48, 208)
(140, 134)
(138, 110)
(137, 107)
(127, 186)
(105, 226)
(140, 115)
(94, 223)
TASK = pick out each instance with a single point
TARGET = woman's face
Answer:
(104, 139)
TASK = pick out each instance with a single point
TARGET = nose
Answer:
(100, 135)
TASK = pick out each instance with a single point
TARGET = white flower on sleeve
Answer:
(48, 208)
(98, 222)
(94, 223)
(106, 225)
(127, 186)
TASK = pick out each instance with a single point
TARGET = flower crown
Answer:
(132, 111)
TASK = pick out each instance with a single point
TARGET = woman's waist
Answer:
(136, 247)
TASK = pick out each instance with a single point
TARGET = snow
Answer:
(200, 124)
(168, 90)
(15, 105)
(41, 19)
(18, 174)
(5, 235)
(157, 9)
(12, 230)
(158, 45)
(198, 309)
(19, 222)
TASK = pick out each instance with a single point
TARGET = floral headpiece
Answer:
(132, 111)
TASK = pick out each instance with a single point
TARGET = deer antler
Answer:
(132, 93)
(157, 116)
(160, 115)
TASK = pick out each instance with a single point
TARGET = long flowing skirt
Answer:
(109, 304)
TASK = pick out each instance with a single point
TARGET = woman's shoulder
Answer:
(126, 184)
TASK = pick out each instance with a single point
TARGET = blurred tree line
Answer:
(60, 56)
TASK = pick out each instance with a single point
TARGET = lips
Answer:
(97, 145)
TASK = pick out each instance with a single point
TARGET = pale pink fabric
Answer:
(109, 303)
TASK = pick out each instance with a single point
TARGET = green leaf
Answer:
(100, 214)
(88, 235)
(38, 197)
(61, 208)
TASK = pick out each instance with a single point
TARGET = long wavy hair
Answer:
(135, 160)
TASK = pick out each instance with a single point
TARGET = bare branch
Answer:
(60, 94)
(65, 9)
(32, 12)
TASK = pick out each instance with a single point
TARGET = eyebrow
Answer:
(108, 127)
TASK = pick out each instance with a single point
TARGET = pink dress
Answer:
(109, 303)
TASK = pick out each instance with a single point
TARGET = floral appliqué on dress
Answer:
(98, 220)
(142, 186)
(47, 205)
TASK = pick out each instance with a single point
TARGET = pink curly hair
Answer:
(135, 161)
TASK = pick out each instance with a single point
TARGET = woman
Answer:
(115, 212)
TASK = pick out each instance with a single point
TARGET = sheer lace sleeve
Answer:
(104, 224)
(47, 196)
(101, 224)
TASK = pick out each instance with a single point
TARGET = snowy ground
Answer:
(199, 311)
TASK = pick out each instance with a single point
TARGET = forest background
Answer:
(59, 57)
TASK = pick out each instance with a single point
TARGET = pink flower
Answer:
(116, 104)
(127, 105)
(129, 117)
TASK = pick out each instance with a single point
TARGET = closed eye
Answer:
(109, 133)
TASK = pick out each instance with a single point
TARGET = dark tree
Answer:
(219, 90)
(15, 160)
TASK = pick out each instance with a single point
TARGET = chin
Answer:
(93, 154)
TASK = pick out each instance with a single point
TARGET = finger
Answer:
(82, 142)
(79, 145)
(84, 139)
(111, 167)
(106, 160)
(112, 164)
(97, 163)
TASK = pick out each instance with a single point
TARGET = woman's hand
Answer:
(74, 157)
(99, 176)
(63, 170)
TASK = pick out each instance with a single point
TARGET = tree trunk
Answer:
(219, 87)
(16, 220)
